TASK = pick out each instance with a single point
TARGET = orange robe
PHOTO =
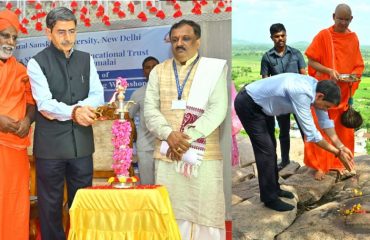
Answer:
(15, 94)
(339, 51)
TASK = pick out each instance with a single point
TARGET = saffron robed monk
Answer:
(334, 51)
(185, 103)
(16, 115)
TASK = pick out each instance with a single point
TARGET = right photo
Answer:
(301, 119)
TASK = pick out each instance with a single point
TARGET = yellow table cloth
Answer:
(118, 214)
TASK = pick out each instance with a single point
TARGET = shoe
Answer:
(282, 165)
(279, 205)
(286, 194)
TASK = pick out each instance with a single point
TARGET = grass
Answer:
(246, 68)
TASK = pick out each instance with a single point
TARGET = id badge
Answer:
(178, 104)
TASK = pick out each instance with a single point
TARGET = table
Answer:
(107, 213)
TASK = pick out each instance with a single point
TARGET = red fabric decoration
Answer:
(101, 8)
(153, 10)
(217, 10)
(17, 11)
(197, 11)
(53, 4)
(25, 21)
(87, 22)
(203, 2)
(40, 14)
(160, 14)
(107, 23)
(149, 4)
(82, 17)
(116, 4)
(221, 4)
(197, 5)
(23, 29)
(115, 10)
(177, 6)
(74, 4)
(38, 6)
(93, 3)
(105, 18)
(228, 9)
(38, 26)
(74, 10)
(177, 14)
(9, 5)
(131, 7)
(84, 10)
(121, 14)
(142, 16)
(99, 14)
(31, 1)
(33, 17)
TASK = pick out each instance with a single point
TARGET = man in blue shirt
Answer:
(282, 59)
(258, 103)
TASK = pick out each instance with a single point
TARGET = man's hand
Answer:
(85, 115)
(334, 74)
(171, 154)
(8, 125)
(46, 115)
(178, 141)
(346, 157)
(24, 127)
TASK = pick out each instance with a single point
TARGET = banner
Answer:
(118, 53)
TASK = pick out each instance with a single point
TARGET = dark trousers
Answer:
(50, 187)
(261, 129)
(284, 136)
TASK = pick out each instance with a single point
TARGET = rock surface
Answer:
(321, 205)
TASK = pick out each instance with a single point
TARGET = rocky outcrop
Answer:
(323, 209)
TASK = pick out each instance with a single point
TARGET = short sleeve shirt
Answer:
(291, 62)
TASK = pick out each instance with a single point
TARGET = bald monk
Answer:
(334, 51)
(16, 115)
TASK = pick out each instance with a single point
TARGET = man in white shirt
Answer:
(258, 103)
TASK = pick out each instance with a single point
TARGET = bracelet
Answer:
(337, 155)
(73, 115)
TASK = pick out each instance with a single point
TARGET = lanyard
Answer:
(181, 88)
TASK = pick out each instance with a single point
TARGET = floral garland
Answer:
(122, 153)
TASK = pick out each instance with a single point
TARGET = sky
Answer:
(303, 19)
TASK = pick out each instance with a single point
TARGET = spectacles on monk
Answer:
(7, 36)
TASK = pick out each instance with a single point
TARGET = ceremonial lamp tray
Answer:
(348, 78)
(123, 181)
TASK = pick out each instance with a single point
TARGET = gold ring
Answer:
(178, 149)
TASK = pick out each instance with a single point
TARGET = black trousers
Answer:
(50, 187)
(261, 129)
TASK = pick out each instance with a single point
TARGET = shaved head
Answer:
(342, 18)
(343, 7)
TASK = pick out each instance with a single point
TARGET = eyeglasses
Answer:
(7, 36)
